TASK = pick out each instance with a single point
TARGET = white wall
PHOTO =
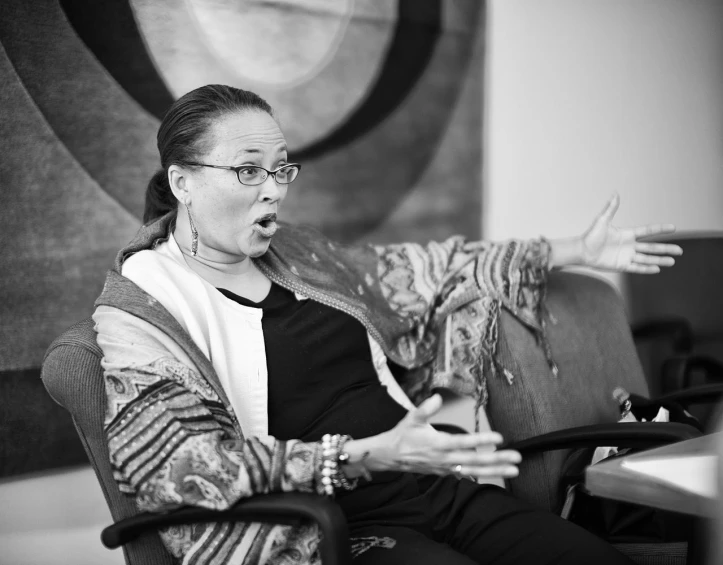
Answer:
(585, 97)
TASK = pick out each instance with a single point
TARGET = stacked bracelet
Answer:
(332, 476)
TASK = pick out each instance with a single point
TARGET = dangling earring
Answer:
(194, 235)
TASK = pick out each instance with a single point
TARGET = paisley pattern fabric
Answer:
(454, 291)
(172, 443)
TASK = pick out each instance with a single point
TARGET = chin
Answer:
(256, 249)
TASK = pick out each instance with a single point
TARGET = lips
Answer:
(266, 225)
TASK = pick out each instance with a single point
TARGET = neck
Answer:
(207, 259)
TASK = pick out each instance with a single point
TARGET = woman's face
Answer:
(233, 219)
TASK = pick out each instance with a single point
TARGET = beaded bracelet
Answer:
(332, 456)
(329, 464)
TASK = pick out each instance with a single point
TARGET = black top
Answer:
(321, 377)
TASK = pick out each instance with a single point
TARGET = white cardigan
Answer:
(229, 334)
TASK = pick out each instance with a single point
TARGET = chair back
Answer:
(691, 291)
(73, 376)
(593, 348)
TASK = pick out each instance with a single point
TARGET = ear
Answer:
(178, 179)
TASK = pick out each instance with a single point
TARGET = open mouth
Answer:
(266, 225)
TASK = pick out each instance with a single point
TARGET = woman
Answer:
(242, 356)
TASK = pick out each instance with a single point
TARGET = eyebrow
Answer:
(282, 148)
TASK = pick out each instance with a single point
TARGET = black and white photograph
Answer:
(361, 282)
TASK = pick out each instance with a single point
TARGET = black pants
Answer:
(465, 524)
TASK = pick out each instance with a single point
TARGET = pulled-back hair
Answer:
(183, 136)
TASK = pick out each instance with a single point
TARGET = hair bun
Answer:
(159, 197)
(160, 178)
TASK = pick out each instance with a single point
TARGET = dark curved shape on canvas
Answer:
(105, 129)
(419, 25)
(110, 31)
(94, 119)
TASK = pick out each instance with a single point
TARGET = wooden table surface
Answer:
(611, 479)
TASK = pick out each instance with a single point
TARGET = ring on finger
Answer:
(457, 471)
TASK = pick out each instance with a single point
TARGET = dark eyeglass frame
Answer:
(237, 170)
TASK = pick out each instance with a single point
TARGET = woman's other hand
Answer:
(604, 246)
(413, 445)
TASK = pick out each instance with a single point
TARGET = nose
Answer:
(270, 191)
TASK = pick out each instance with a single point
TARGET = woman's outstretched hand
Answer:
(413, 445)
(609, 248)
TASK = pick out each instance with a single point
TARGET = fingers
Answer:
(653, 229)
(642, 259)
(649, 257)
(422, 413)
(642, 269)
(659, 248)
(482, 459)
(497, 471)
(439, 460)
(469, 441)
(610, 209)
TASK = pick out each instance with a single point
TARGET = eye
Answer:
(248, 171)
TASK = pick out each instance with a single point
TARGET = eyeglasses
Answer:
(251, 175)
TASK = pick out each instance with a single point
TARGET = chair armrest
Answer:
(288, 508)
(678, 330)
(694, 395)
(628, 434)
